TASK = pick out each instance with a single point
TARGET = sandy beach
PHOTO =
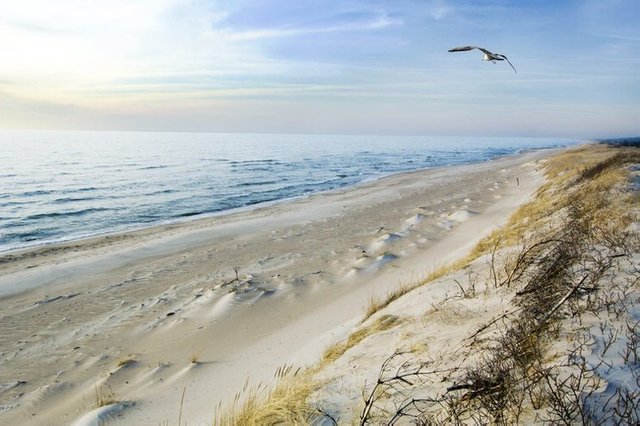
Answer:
(205, 308)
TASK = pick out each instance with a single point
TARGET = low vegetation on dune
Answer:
(105, 396)
(565, 349)
(283, 404)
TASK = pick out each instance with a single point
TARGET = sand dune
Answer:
(202, 307)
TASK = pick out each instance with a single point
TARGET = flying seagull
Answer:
(488, 56)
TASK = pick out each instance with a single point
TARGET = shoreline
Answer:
(61, 244)
(144, 234)
(131, 314)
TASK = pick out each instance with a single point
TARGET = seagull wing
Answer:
(467, 48)
(506, 59)
(485, 51)
(463, 48)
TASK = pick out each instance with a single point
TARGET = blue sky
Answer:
(332, 66)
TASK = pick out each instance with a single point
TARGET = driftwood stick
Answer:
(564, 299)
(489, 324)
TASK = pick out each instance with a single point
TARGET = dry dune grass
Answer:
(560, 271)
(560, 171)
(376, 304)
(105, 396)
(125, 362)
(284, 404)
(385, 322)
(576, 183)
(596, 167)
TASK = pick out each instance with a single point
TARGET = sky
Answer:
(322, 66)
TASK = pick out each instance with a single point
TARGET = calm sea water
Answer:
(57, 186)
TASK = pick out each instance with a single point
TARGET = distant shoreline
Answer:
(65, 187)
(56, 245)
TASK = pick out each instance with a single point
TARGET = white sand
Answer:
(162, 296)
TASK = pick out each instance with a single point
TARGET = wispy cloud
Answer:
(626, 37)
(379, 22)
(439, 9)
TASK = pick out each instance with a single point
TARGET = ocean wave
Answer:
(213, 160)
(86, 189)
(190, 214)
(163, 191)
(234, 202)
(65, 200)
(162, 166)
(72, 213)
(15, 203)
(37, 193)
(256, 183)
(24, 236)
(284, 192)
(252, 169)
(256, 161)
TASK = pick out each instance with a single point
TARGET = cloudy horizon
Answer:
(322, 66)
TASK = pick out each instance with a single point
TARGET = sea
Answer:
(59, 186)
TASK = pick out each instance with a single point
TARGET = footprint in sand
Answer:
(384, 242)
(450, 220)
(366, 265)
(102, 415)
(462, 215)
(414, 221)
(447, 225)
(46, 392)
